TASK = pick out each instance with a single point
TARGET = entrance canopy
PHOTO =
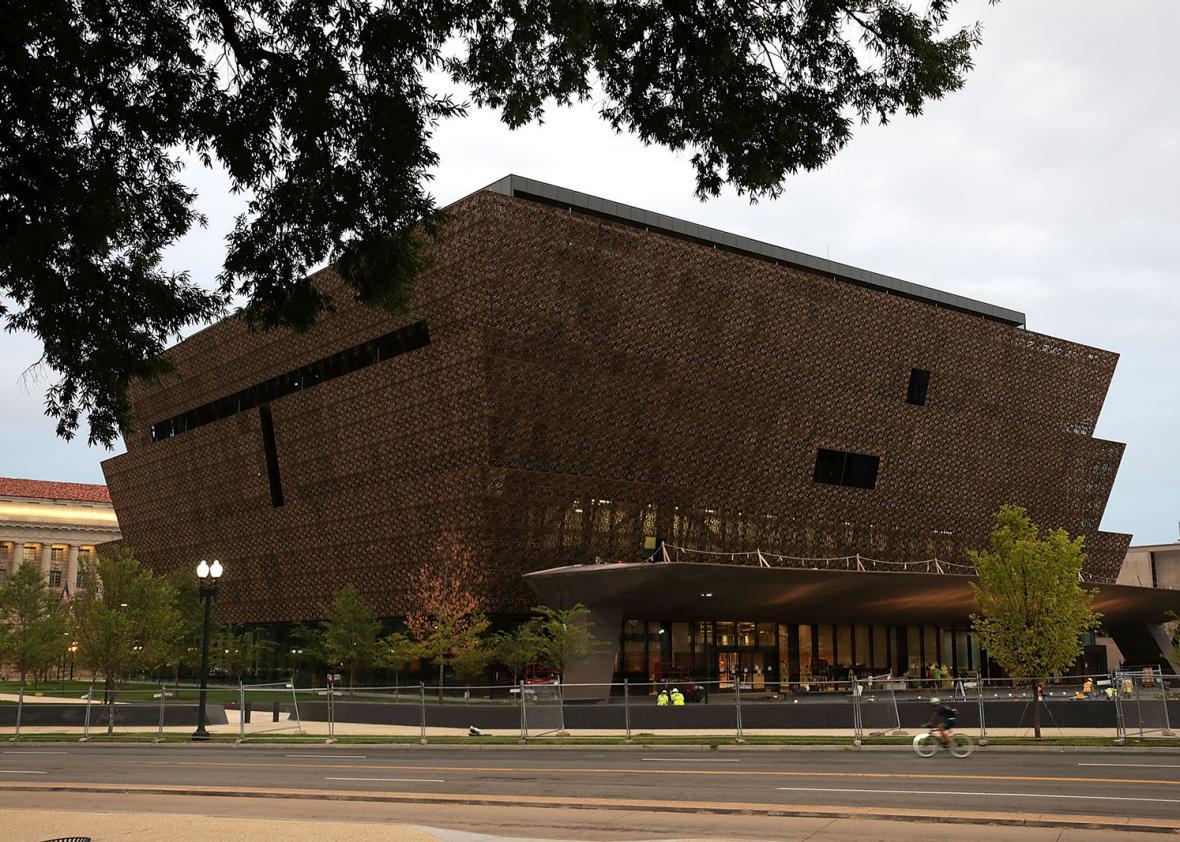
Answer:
(690, 590)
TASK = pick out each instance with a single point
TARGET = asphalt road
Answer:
(1101, 783)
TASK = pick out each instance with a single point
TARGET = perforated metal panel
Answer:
(589, 384)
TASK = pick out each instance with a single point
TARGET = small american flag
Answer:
(65, 593)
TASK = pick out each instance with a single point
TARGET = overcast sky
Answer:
(1049, 185)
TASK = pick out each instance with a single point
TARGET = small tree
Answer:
(1032, 609)
(446, 593)
(236, 652)
(563, 637)
(350, 633)
(184, 651)
(125, 622)
(471, 663)
(394, 651)
(32, 623)
(516, 649)
(305, 649)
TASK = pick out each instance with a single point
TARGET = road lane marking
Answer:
(693, 759)
(1136, 765)
(648, 770)
(36, 752)
(394, 780)
(330, 756)
(959, 792)
(21, 772)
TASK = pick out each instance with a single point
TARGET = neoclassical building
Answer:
(55, 525)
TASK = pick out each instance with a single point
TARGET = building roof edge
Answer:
(517, 186)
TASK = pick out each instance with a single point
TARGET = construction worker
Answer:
(662, 698)
(677, 697)
(1087, 689)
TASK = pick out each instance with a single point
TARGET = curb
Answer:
(977, 818)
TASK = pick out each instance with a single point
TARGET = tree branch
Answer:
(246, 54)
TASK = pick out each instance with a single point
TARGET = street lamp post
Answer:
(208, 574)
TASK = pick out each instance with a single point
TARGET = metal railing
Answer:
(1121, 706)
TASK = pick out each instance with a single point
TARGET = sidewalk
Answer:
(127, 817)
(35, 825)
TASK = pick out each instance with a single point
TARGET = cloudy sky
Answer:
(1049, 184)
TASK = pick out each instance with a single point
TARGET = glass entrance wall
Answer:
(795, 656)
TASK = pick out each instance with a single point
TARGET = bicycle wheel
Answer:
(925, 745)
(961, 745)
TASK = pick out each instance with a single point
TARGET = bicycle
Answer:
(925, 745)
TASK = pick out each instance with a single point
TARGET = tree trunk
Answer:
(1037, 711)
(110, 708)
(442, 665)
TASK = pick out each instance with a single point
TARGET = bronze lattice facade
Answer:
(571, 384)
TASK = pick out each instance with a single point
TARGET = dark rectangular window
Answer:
(272, 455)
(835, 467)
(401, 341)
(919, 383)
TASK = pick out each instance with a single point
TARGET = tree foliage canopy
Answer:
(350, 632)
(1032, 608)
(562, 636)
(516, 648)
(32, 623)
(322, 113)
(447, 594)
(126, 621)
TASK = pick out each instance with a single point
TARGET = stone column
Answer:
(71, 572)
(46, 549)
(20, 551)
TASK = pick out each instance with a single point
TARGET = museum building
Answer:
(748, 461)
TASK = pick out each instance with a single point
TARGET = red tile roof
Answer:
(45, 490)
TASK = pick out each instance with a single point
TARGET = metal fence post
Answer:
(627, 709)
(1159, 679)
(160, 729)
(857, 722)
(524, 726)
(331, 712)
(86, 724)
(737, 695)
(241, 712)
(1120, 734)
(295, 705)
(422, 707)
(20, 703)
(982, 716)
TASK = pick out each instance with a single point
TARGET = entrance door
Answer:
(748, 667)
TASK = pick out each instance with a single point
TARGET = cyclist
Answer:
(942, 719)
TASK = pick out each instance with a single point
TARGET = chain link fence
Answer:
(1141, 703)
(1126, 704)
